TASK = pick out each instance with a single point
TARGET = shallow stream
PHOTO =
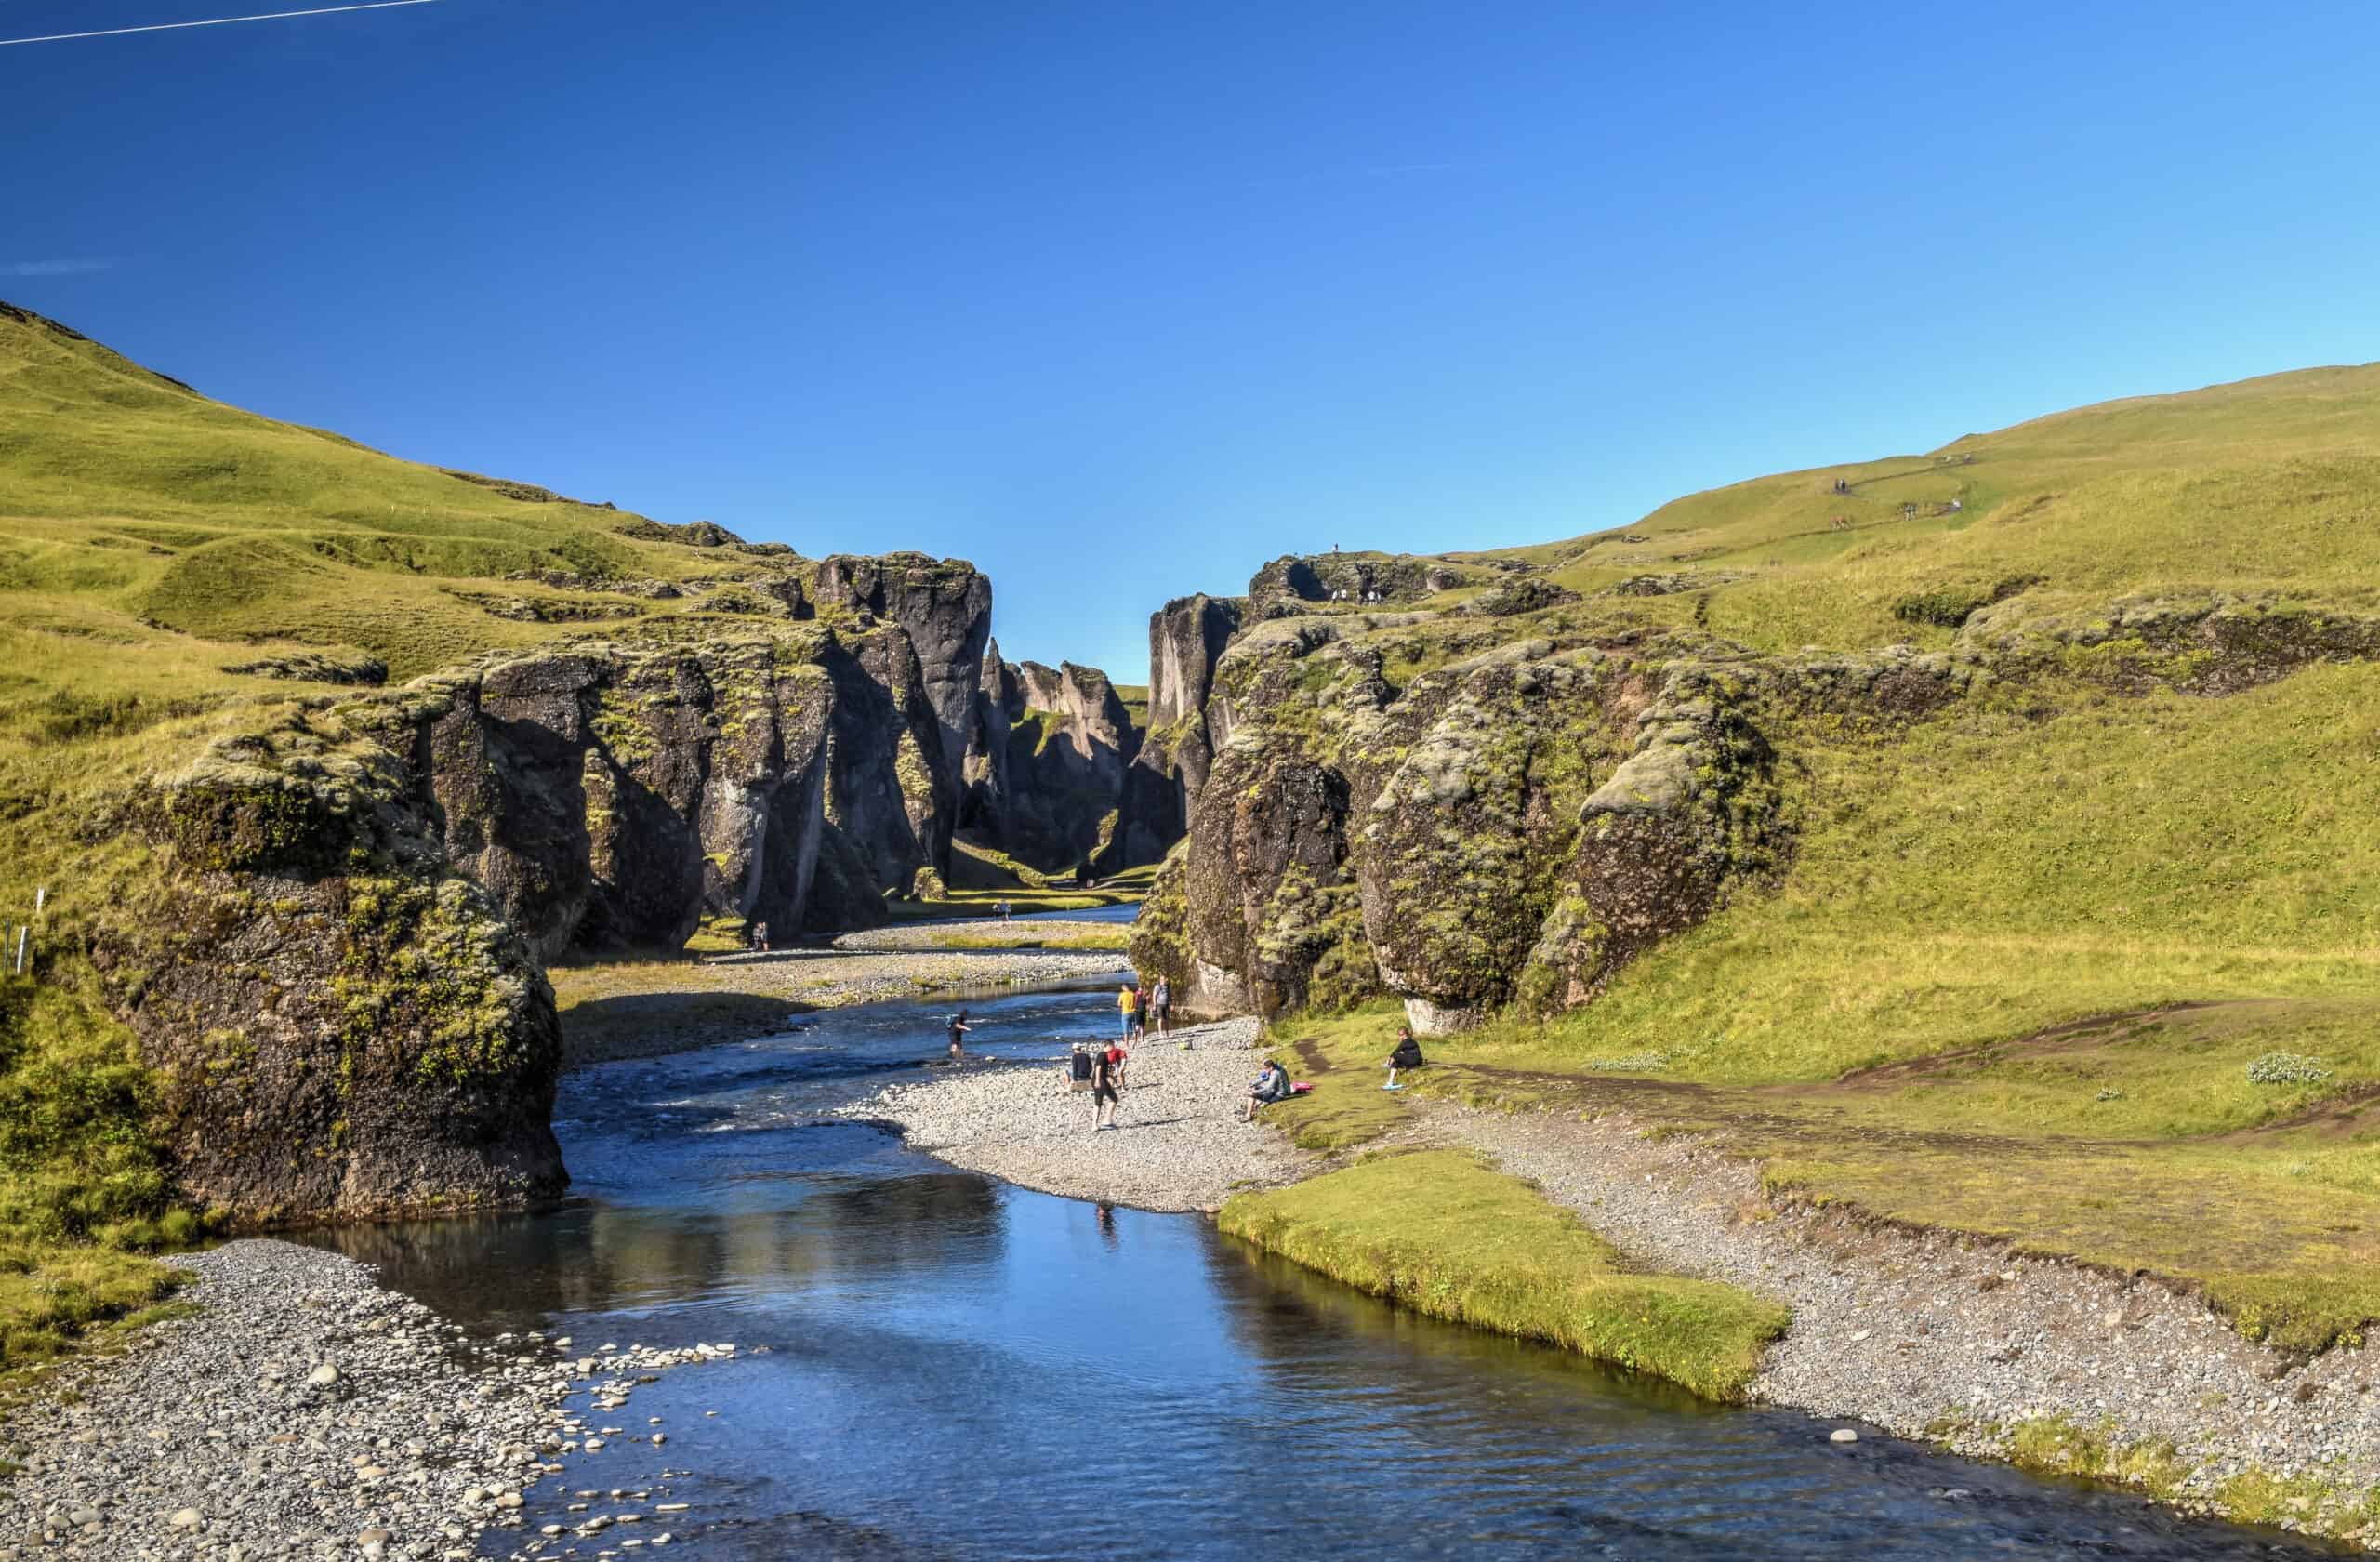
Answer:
(957, 1369)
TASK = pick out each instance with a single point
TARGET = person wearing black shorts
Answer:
(1103, 1095)
(959, 1027)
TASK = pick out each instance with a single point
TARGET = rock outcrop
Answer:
(1287, 584)
(945, 608)
(341, 1024)
(340, 984)
(1070, 745)
(1187, 637)
(1524, 809)
(607, 797)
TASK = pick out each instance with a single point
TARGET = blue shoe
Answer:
(1392, 1087)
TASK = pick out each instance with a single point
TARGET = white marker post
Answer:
(21, 949)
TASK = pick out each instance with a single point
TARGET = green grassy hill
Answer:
(2264, 486)
(2085, 957)
(161, 557)
(138, 514)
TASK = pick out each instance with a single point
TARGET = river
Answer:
(957, 1369)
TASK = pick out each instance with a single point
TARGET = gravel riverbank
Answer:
(1179, 1144)
(988, 932)
(305, 1411)
(635, 1008)
(1925, 1335)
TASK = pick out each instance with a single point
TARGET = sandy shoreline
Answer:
(1178, 1144)
(1017, 932)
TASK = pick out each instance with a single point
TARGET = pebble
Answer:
(1179, 1144)
(1931, 1335)
(202, 1443)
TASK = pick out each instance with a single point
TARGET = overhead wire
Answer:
(213, 21)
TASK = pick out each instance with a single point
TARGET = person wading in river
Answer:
(1105, 1072)
(959, 1027)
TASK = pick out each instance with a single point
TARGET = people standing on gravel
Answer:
(959, 1027)
(1271, 1085)
(1118, 1058)
(1141, 1012)
(1104, 1084)
(760, 937)
(1408, 1056)
(1127, 1005)
(1162, 999)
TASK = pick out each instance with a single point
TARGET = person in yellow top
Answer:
(1129, 1003)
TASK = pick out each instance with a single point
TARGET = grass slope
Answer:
(1440, 1233)
(150, 541)
(1899, 1020)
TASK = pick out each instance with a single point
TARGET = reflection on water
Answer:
(959, 1370)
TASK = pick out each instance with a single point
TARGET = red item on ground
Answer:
(1301, 1088)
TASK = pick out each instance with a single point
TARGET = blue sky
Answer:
(1121, 300)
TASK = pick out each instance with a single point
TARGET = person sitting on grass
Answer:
(1271, 1085)
(1408, 1056)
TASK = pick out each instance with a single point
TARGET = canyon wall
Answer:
(339, 982)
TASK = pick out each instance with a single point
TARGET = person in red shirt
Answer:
(1107, 1079)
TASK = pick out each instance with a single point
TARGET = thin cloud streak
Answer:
(214, 21)
(54, 268)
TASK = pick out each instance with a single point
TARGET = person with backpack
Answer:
(1408, 1056)
(1105, 1075)
(959, 1027)
(1141, 1012)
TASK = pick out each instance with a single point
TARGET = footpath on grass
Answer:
(1532, 1204)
